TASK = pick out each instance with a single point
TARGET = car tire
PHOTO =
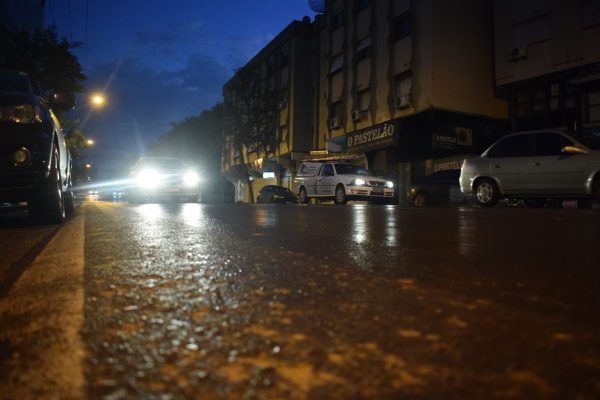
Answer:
(420, 200)
(596, 188)
(49, 205)
(302, 196)
(69, 202)
(485, 192)
(340, 195)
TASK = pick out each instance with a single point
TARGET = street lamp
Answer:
(98, 100)
(90, 142)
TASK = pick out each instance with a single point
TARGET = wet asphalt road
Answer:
(325, 302)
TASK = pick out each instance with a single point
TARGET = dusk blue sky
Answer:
(161, 61)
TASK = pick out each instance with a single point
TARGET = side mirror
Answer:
(62, 101)
(573, 150)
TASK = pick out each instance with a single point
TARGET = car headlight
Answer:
(20, 157)
(148, 178)
(359, 182)
(389, 184)
(191, 179)
(21, 113)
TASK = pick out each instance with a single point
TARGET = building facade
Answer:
(547, 63)
(407, 83)
(269, 104)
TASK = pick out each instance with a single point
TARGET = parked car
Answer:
(441, 188)
(163, 178)
(275, 194)
(340, 181)
(35, 162)
(534, 165)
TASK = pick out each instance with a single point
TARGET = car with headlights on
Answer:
(340, 181)
(163, 179)
(439, 188)
(275, 194)
(35, 162)
(534, 165)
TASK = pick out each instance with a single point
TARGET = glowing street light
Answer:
(98, 100)
(90, 142)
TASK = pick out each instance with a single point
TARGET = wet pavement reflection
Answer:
(355, 302)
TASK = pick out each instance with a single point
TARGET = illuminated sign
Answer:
(267, 175)
(372, 138)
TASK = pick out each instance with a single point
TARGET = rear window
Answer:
(591, 140)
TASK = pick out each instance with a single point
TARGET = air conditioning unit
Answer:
(334, 123)
(517, 53)
(402, 101)
(356, 115)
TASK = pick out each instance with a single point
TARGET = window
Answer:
(327, 170)
(593, 106)
(550, 144)
(401, 27)
(363, 50)
(590, 13)
(362, 4)
(513, 146)
(364, 100)
(336, 63)
(337, 20)
(531, 31)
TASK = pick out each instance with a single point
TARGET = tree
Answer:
(45, 58)
(196, 139)
(250, 116)
(49, 62)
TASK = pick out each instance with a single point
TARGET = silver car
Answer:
(534, 165)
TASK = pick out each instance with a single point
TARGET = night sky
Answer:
(161, 61)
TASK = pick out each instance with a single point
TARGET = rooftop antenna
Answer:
(317, 6)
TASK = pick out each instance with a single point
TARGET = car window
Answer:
(590, 139)
(512, 146)
(550, 144)
(350, 169)
(11, 81)
(327, 170)
(163, 163)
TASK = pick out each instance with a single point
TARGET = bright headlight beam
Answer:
(148, 178)
(389, 184)
(191, 178)
(359, 182)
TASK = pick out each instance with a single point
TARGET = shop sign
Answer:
(457, 137)
(372, 138)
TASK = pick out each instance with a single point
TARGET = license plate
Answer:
(377, 191)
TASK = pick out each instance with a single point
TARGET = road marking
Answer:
(41, 320)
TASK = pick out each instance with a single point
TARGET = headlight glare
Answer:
(359, 182)
(389, 184)
(148, 178)
(191, 178)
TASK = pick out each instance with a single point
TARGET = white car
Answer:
(162, 178)
(340, 181)
(534, 166)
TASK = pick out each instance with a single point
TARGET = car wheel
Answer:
(485, 193)
(49, 206)
(69, 201)
(302, 196)
(596, 188)
(340, 195)
(420, 200)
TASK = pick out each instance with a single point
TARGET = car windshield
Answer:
(591, 140)
(163, 163)
(350, 169)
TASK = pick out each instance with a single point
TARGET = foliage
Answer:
(195, 139)
(250, 115)
(45, 58)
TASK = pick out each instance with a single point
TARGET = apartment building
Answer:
(269, 103)
(407, 84)
(547, 63)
